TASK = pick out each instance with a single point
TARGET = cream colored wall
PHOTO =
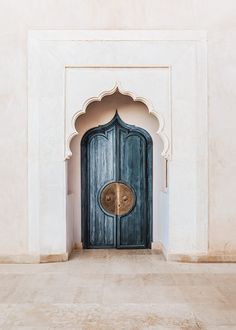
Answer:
(216, 16)
(134, 113)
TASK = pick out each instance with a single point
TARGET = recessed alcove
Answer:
(166, 72)
(134, 113)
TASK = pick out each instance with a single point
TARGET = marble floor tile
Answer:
(228, 291)
(115, 290)
(123, 289)
(190, 279)
(158, 279)
(214, 314)
(149, 316)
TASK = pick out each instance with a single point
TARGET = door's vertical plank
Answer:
(100, 170)
(133, 171)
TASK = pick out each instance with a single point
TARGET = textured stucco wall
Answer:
(216, 16)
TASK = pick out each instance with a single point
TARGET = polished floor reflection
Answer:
(118, 289)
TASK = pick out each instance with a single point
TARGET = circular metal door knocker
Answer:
(117, 198)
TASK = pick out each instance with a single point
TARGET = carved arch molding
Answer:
(166, 70)
(137, 82)
(118, 87)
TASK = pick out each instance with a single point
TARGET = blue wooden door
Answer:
(116, 186)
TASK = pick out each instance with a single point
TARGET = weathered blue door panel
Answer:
(101, 169)
(116, 152)
(132, 229)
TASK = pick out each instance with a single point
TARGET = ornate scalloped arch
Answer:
(117, 87)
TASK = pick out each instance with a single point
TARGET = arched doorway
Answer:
(133, 113)
(116, 164)
(180, 222)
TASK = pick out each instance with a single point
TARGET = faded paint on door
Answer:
(122, 153)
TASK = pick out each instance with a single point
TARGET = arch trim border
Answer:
(48, 231)
(118, 87)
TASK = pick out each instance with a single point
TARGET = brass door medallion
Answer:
(117, 198)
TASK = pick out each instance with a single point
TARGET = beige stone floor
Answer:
(113, 289)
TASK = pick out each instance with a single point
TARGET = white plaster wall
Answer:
(216, 16)
(135, 113)
(70, 221)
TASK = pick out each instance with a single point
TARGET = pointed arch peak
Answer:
(118, 88)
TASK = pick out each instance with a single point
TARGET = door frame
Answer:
(85, 189)
(67, 70)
